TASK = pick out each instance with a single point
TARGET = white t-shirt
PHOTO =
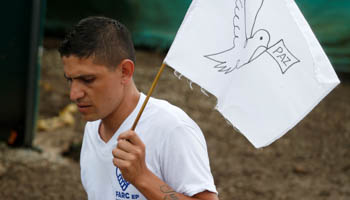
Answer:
(176, 152)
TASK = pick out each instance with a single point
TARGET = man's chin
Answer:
(90, 118)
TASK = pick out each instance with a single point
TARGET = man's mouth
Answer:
(83, 107)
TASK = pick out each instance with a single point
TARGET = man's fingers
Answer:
(120, 154)
(126, 146)
(135, 151)
(121, 164)
(132, 137)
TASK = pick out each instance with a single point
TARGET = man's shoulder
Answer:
(167, 112)
(170, 120)
(91, 126)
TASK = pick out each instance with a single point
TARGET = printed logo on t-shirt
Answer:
(121, 195)
(122, 182)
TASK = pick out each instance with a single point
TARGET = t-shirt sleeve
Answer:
(185, 163)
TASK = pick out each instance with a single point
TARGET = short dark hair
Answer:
(107, 40)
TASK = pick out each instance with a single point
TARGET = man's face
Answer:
(96, 89)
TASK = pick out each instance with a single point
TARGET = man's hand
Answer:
(129, 157)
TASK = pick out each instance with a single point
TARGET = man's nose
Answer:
(76, 92)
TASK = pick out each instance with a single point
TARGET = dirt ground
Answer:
(310, 162)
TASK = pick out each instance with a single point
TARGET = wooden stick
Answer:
(150, 91)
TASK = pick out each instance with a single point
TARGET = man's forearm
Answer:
(154, 188)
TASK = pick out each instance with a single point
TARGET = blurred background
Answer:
(41, 131)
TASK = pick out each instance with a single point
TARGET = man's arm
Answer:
(154, 188)
(129, 157)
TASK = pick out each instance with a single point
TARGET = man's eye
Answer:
(69, 80)
(88, 80)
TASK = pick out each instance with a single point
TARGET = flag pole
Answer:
(150, 91)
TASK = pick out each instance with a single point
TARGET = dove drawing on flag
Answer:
(247, 44)
(269, 72)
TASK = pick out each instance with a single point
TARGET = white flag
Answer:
(259, 58)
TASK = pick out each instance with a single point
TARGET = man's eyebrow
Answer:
(79, 76)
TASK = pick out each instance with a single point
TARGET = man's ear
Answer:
(127, 67)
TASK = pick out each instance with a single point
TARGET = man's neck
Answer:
(111, 124)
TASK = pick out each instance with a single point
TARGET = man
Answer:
(164, 158)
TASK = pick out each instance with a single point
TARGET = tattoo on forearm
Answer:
(170, 194)
(166, 189)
